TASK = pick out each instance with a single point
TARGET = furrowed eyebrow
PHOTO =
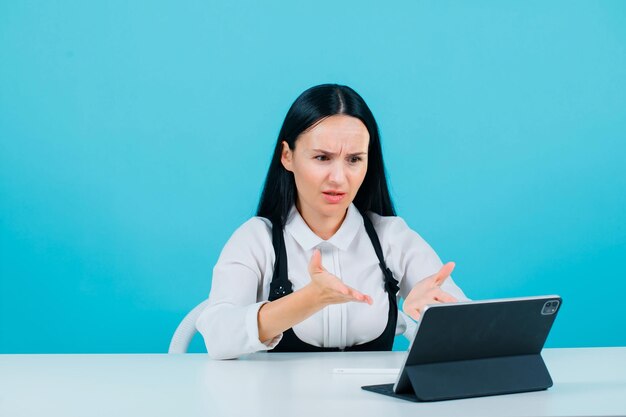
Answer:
(333, 154)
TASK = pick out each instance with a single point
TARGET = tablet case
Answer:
(477, 349)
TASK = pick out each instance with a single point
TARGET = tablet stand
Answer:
(473, 378)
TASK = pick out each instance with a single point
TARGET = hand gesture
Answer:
(428, 291)
(330, 289)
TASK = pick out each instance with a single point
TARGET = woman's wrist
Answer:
(279, 315)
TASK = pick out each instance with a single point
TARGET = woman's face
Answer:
(329, 163)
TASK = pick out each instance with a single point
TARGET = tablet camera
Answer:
(550, 307)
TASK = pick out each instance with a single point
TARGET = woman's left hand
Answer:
(428, 291)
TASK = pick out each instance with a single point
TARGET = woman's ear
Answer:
(286, 157)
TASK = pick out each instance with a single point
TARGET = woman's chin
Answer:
(334, 210)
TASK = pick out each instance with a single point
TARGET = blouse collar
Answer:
(297, 227)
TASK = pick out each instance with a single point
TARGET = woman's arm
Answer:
(325, 289)
(236, 321)
(229, 323)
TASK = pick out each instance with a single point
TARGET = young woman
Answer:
(323, 263)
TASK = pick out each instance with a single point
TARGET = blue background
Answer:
(135, 137)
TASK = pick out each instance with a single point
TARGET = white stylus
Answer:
(389, 371)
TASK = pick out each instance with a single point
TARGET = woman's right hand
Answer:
(324, 289)
(329, 288)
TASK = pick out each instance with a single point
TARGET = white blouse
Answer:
(242, 276)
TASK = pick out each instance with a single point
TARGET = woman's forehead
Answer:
(337, 133)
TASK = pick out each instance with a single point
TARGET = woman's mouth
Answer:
(333, 197)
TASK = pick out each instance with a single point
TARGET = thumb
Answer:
(444, 273)
(315, 265)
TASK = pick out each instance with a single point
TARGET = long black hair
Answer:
(312, 106)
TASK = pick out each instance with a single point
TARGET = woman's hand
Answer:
(324, 289)
(329, 288)
(428, 291)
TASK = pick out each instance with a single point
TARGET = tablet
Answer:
(477, 348)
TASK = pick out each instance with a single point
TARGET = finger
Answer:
(359, 296)
(432, 302)
(444, 297)
(315, 265)
(348, 293)
(444, 273)
(344, 290)
(415, 312)
(411, 312)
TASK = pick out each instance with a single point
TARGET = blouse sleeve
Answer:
(229, 322)
(409, 257)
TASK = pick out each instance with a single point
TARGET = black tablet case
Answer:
(476, 349)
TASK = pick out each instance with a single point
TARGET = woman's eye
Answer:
(321, 158)
(354, 159)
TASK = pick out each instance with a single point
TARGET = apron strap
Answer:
(391, 284)
(280, 284)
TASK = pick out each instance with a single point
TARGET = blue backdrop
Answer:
(135, 137)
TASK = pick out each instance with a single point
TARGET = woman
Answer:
(321, 265)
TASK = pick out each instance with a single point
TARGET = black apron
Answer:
(281, 286)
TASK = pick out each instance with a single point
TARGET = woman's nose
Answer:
(337, 173)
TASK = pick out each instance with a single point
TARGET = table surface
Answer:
(587, 382)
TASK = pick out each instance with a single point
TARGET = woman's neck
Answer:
(323, 226)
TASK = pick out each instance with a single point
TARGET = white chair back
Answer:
(186, 330)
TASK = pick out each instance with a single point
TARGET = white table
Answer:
(587, 382)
